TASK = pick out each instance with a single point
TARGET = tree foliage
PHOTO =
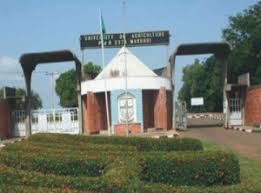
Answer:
(91, 70)
(243, 34)
(204, 78)
(67, 81)
(20, 99)
(66, 89)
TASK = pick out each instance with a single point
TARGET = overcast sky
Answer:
(32, 26)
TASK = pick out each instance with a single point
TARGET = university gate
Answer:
(221, 51)
(29, 61)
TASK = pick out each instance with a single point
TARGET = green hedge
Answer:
(32, 189)
(191, 168)
(163, 188)
(81, 149)
(142, 144)
(59, 165)
(17, 177)
(122, 175)
(68, 163)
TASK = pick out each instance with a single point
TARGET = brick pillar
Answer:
(91, 108)
(95, 113)
(5, 123)
(161, 110)
(148, 98)
(253, 106)
(84, 116)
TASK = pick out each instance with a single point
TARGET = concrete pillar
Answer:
(173, 78)
(28, 104)
(79, 98)
(226, 110)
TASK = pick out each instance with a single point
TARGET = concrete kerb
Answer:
(4, 142)
(246, 129)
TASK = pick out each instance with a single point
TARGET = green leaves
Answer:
(91, 70)
(191, 168)
(243, 33)
(66, 89)
(66, 84)
(20, 103)
(205, 78)
(142, 144)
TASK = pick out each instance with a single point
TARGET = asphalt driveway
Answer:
(247, 144)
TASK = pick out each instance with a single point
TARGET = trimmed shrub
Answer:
(191, 168)
(33, 189)
(83, 148)
(53, 164)
(142, 144)
(11, 176)
(74, 163)
(122, 175)
(164, 188)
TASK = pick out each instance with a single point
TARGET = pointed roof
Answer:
(116, 67)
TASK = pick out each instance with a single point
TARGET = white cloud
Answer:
(10, 71)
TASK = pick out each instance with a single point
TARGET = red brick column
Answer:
(95, 113)
(90, 115)
(161, 110)
(253, 106)
(148, 100)
(5, 123)
(120, 129)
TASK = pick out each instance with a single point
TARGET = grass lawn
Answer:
(65, 163)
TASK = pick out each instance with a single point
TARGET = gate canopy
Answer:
(220, 49)
(217, 48)
(30, 60)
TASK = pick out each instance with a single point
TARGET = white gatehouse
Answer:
(47, 121)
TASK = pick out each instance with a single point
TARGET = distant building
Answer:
(148, 100)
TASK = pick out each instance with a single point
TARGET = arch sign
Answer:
(134, 39)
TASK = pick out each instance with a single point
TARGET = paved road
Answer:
(248, 144)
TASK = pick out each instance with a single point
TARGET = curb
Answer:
(165, 136)
(237, 128)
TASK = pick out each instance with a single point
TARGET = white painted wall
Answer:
(144, 83)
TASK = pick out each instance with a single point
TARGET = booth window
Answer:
(127, 108)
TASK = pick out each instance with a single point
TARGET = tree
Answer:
(91, 70)
(194, 83)
(66, 84)
(243, 33)
(203, 79)
(66, 89)
(20, 96)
